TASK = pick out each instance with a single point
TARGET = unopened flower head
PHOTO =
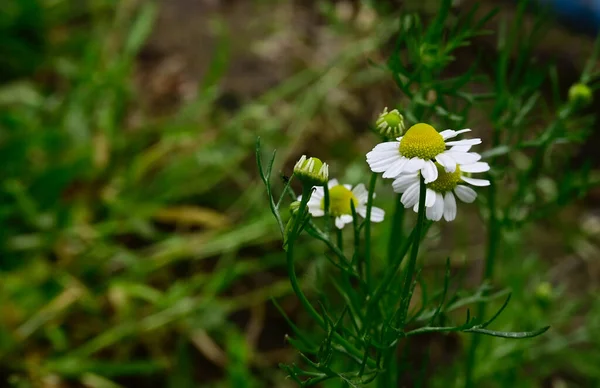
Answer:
(311, 171)
(390, 124)
(420, 149)
(440, 196)
(580, 94)
(341, 199)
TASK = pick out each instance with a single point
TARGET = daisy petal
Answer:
(343, 220)
(411, 195)
(475, 167)
(403, 182)
(461, 148)
(377, 214)
(465, 193)
(361, 193)
(449, 206)
(475, 182)
(463, 157)
(449, 133)
(396, 168)
(464, 142)
(332, 183)
(438, 207)
(446, 161)
(429, 171)
(429, 198)
(414, 165)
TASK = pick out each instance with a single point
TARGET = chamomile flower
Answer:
(440, 196)
(420, 149)
(340, 197)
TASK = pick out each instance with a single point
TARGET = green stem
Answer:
(367, 259)
(326, 202)
(412, 261)
(351, 349)
(396, 233)
(340, 239)
(492, 251)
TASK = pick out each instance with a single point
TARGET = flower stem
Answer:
(396, 236)
(492, 250)
(367, 258)
(351, 349)
(412, 261)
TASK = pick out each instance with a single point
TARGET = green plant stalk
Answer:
(492, 250)
(389, 377)
(351, 349)
(396, 235)
(412, 261)
(367, 257)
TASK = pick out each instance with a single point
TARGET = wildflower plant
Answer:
(365, 312)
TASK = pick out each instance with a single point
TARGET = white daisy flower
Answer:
(420, 149)
(439, 198)
(340, 197)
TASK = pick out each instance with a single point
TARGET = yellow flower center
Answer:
(446, 181)
(339, 201)
(422, 141)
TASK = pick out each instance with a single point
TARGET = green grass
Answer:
(137, 248)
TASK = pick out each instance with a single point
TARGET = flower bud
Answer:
(390, 124)
(580, 94)
(294, 206)
(544, 293)
(311, 171)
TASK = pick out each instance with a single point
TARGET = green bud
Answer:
(544, 293)
(311, 171)
(390, 124)
(294, 206)
(580, 94)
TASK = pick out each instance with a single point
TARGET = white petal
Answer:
(346, 218)
(446, 161)
(429, 198)
(449, 133)
(411, 195)
(339, 223)
(317, 194)
(316, 211)
(414, 165)
(475, 182)
(383, 155)
(387, 146)
(465, 193)
(332, 183)
(396, 168)
(377, 214)
(449, 206)
(429, 171)
(438, 207)
(475, 167)
(404, 181)
(463, 157)
(464, 142)
(460, 148)
(349, 187)
(361, 193)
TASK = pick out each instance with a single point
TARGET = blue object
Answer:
(580, 15)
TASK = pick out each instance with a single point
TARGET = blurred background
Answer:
(136, 245)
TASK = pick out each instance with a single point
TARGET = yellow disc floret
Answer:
(339, 201)
(422, 141)
(446, 181)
